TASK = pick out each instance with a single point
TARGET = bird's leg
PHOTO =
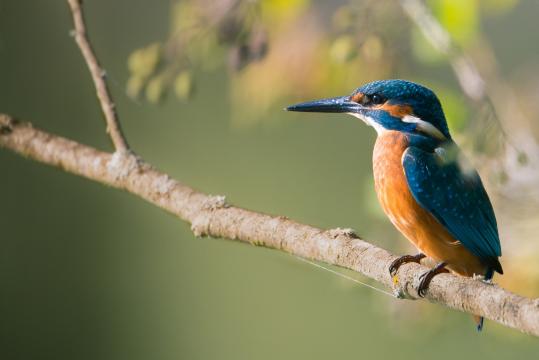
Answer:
(396, 264)
(427, 276)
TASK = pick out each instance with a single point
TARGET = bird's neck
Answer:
(389, 147)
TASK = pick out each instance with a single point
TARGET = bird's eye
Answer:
(377, 99)
(368, 99)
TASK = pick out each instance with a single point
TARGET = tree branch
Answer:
(107, 105)
(211, 216)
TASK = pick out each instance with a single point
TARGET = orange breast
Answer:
(414, 222)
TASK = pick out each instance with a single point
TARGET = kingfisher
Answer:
(422, 180)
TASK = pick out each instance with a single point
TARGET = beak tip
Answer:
(339, 104)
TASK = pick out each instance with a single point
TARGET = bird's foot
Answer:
(396, 264)
(426, 278)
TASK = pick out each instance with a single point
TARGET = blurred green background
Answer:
(87, 272)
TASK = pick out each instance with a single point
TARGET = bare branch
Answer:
(98, 75)
(210, 215)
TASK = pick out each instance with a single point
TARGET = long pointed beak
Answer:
(341, 104)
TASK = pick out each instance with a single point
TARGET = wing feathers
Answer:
(456, 199)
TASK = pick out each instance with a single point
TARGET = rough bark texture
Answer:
(211, 216)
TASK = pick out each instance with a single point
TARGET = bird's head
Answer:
(389, 105)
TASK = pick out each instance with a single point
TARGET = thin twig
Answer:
(98, 74)
(211, 216)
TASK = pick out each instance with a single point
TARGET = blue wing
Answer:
(456, 198)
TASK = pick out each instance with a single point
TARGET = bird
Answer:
(425, 185)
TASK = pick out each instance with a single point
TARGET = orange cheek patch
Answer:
(397, 110)
(357, 98)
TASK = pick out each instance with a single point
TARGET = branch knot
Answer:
(335, 233)
(215, 202)
(122, 163)
(6, 124)
(200, 226)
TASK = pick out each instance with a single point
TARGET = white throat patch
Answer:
(422, 125)
(369, 121)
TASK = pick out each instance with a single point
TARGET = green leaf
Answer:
(155, 89)
(183, 85)
(143, 62)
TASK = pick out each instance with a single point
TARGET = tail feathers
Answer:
(479, 319)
